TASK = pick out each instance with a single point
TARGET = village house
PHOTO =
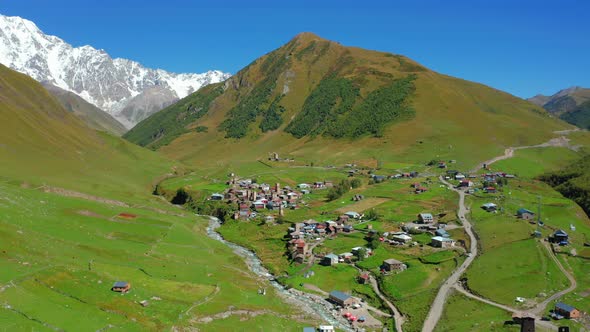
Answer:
(121, 287)
(442, 242)
(402, 238)
(560, 237)
(425, 218)
(566, 310)
(342, 299)
(244, 211)
(525, 214)
(465, 183)
(391, 264)
(378, 178)
(363, 278)
(217, 197)
(346, 257)
(490, 190)
(459, 176)
(442, 164)
(353, 215)
(442, 232)
(489, 207)
(421, 189)
(326, 328)
(330, 259)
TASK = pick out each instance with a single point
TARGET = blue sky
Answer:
(522, 47)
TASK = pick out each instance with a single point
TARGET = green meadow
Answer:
(60, 256)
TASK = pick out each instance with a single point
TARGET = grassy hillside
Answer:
(580, 116)
(42, 143)
(314, 99)
(91, 115)
(573, 182)
(77, 214)
(571, 105)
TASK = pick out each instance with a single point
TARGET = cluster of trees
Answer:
(253, 104)
(173, 121)
(272, 117)
(381, 107)
(573, 182)
(580, 116)
(334, 109)
(332, 96)
(342, 188)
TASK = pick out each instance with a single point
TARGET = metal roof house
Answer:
(341, 299)
(425, 218)
(566, 310)
(442, 242)
(121, 286)
(352, 214)
(330, 259)
(489, 207)
(523, 213)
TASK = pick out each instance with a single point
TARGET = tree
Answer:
(355, 183)
(361, 254)
(371, 215)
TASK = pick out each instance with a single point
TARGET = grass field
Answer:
(60, 256)
(512, 263)
(529, 163)
(464, 314)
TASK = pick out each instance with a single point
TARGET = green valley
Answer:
(321, 186)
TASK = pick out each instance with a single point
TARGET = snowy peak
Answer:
(110, 84)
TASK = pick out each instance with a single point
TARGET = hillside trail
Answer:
(561, 141)
(439, 301)
(538, 321)
(540, 308)
(398, 318)
(438, 304)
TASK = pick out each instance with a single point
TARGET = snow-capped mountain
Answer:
(110, 84)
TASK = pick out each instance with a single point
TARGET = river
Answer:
(309, 303)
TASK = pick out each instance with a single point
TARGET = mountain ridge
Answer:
(92, 74)
(344, 90)
(91, 115)
(571, 105)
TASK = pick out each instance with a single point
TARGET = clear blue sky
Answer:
(522, 47)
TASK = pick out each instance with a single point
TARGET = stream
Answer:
(308, 303)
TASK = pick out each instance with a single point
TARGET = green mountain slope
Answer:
(91, 115)
(573, 182)
(77, 214)
(571, 105)
(42, 143)
(315, 99)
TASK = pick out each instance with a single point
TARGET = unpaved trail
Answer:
(562, 142)
(540, 308)
(438, 304)
(397, 316)
(538, 321)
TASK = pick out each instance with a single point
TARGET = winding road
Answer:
(438, 304)
(397, 316)
(540, 308)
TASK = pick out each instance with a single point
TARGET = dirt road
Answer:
(540, 308)
(437, 305)
(561, 141)
(538, 322)
(397, 316)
